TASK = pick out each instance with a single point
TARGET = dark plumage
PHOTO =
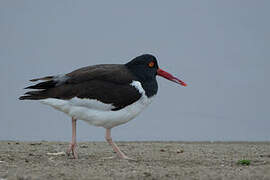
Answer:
(105, 95)
(108, 83)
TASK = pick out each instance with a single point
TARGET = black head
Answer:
(144, 67)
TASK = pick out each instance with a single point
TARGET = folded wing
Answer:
(108, 84)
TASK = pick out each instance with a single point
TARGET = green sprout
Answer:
(244, 162)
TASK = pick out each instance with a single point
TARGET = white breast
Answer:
(99, 114)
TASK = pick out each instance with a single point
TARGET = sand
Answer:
(153, 160)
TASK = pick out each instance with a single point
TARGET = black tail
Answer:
(41, 89)
(43, 85)
(47, 78)
(34, 95)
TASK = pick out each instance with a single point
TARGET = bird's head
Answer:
(145, 67)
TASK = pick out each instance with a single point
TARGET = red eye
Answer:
(151, 64)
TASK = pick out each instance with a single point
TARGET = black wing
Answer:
(106, 83)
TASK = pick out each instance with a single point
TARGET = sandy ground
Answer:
(154, 160)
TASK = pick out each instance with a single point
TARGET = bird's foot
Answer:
(72, 149)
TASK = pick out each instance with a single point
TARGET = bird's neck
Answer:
(149, 84)
(150, 87)
(148, 80)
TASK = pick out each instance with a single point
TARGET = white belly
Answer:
(97, 113)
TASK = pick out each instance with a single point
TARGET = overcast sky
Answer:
(220, 48)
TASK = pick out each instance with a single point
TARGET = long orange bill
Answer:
(170, 77)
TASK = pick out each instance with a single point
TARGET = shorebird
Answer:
(104, 95)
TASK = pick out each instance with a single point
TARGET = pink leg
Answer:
(73, 144)
(114, 146)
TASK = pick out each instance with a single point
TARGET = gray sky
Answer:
(220, 48)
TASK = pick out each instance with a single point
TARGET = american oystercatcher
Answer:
(105, 95)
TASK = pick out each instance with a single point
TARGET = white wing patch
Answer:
(138, 86)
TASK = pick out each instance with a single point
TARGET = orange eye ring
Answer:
(151, 64)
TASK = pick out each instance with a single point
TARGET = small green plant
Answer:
(244, 162)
